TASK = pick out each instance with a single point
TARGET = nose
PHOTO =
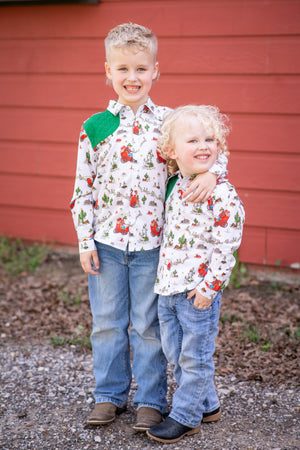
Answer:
(203, 145)
(132, 76)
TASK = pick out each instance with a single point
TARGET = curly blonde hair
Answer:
(133, 36)
(209, 116)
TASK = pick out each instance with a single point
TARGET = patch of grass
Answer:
(290, 332)
(251, 332)
(239, 272)
(277, 285)
(254, 334)
(297, 333)
(16, 257)
(58, 341)
(79, 338)
(286, 331)
(226, 317)
(69, 298)
(266, 346)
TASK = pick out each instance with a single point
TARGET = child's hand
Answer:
(86, 259)
(201, 187)
(200, 301)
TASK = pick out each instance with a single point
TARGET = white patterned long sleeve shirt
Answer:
(120, 180)
(199, 241)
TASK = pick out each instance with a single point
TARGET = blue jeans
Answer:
(188, 340)
(122, 296)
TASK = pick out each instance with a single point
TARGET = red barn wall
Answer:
(240, 55)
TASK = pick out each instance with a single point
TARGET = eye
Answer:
(141, 69)
(192, 141)
(122, 69)
(209, 139)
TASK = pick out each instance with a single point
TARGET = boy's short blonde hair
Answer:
(131, 35)
(209, 116)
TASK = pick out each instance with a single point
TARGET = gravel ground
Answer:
(46, 391)
(46, 395)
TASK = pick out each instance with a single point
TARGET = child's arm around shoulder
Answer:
(201, 188)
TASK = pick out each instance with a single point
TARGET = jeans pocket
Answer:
(199, 311)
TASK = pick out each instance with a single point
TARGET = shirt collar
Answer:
(185, 180)
(115, 107)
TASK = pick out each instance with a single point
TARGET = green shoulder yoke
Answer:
(101, 125)
(171, 183)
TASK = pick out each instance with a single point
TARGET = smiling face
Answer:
(132, 73)
(194, 146)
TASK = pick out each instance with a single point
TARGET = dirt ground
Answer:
(257, 344)
(260, 321)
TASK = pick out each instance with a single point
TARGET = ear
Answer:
(156, 73)
(107, 70)
(171, 152)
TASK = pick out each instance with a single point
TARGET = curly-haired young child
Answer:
(196, 260)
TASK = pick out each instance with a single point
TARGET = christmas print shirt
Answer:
(120, 183)
(199, 240)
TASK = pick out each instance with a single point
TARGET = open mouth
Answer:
(203, 157)
(132, 89)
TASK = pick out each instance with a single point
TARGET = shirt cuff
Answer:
(87, 245)
(208, 291)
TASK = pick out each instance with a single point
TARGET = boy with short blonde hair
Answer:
(118, 213)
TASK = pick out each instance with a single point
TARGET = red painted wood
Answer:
(274, 134)
(271, 209)
(283, 247)
(41, 224)
(253, 247)
(266, 133)
(38, 158)
(228, 55)
(279, 172)
(36, 192)
(245, 55)
(47, 125)
(191, 18)
(38, 224)
(54, 91)
(233, 94)
(282, 55)
(42, 56)
(243, 59)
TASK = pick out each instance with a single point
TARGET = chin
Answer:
(201, 169)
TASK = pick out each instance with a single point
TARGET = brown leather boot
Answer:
(147, 418)
(104, 413)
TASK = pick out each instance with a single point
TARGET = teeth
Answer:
(202, 156)
(133, 88)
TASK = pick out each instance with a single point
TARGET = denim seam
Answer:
(202, 384)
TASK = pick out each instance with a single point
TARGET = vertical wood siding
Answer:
(240, 55)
